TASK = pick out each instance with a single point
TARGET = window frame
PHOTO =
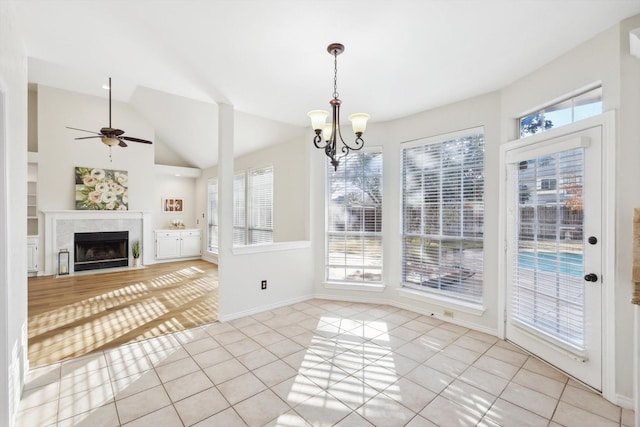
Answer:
(556, 105)
(457, 299)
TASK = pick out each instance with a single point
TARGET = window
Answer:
(213, 215)
(354, 218)
(253, 207)
(443, 215)
(571, 110)
(548, 184)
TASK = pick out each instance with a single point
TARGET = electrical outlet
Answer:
(263, 285)
(448, 313)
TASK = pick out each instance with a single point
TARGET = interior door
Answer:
(554, 255)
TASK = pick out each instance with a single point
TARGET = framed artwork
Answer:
(101, 189)
(172, 205)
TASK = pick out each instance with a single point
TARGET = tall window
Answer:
(253, 207)
(213, 215)
(443, 215)
(587, 104)
(354, 222)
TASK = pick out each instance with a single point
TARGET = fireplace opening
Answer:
(101, 250)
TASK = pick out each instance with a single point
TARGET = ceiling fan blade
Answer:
(84, 130)
(89, 137)
(122, 143)
(129, 138)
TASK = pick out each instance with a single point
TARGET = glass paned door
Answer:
(553, 252)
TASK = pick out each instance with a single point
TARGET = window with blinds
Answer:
(548, 285)
(260, 207)
(354, 218)
(239, 209)
(253, 207)
(443, 215)
(212, 215)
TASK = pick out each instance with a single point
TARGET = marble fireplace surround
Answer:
(60, 226)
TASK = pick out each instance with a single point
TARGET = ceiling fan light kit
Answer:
(110, 136)
(327, 134)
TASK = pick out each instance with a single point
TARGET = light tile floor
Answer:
(316, 363)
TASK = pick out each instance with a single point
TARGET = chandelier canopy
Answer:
(328, 134)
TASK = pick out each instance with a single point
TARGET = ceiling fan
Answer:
(110, 136)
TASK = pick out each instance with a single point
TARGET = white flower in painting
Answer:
(89, 180)
(122, 208)
(102, 187)
(116, 188)
(95, 197)
(108, 197)
(125, 198)
(98, 173)
(122, 179)
(110, 206)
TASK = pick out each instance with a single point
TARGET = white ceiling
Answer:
(173, 60)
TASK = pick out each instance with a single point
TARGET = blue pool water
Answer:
(560, 262)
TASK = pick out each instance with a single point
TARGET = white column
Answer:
(225, 199)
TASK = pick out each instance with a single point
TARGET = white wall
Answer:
(13, 263)
(290, 186)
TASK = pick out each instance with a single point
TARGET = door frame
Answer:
(607, 122)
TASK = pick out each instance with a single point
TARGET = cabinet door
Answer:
(167, 245)
(190, 244)
(32, 257)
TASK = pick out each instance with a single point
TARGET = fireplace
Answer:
(101, 250)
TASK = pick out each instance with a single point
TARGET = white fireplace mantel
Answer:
(100, 219)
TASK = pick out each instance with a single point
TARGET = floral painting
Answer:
(101, 189)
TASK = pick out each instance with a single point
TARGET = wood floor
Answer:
(75, 315)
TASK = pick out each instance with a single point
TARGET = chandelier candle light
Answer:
(327, 134)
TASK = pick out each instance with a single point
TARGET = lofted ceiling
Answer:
(175, 60)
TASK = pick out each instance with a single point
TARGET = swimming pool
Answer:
(555, 262)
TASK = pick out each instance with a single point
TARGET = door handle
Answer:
(591, 277)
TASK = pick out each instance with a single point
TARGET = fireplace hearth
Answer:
(101, 250)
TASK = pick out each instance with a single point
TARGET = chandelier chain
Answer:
(335, 74)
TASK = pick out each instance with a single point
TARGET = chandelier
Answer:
(328, 134)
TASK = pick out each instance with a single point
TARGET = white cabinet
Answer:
(190, 244)
(178, 244)
(32, 255)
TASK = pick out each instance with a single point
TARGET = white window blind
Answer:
(548, 294)
(253, 207)
(239, 209)
(354, 222)
(443, 216)
(260, 192)
(213, 215)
